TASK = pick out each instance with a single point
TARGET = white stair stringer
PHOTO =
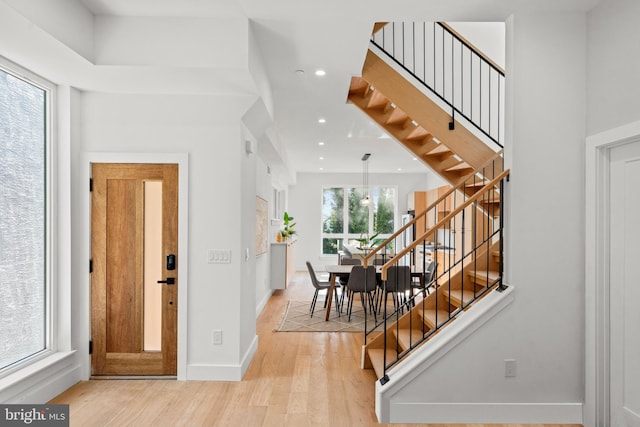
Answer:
(424, 357)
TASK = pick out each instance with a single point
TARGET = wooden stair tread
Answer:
(424, 149)
(377, 355)
(408, 337)
(429, 317)
(358, 86)
(480, 276)
(491, 194)
(419, 134)
(439, 150)
(378, 101)
(448, 162)
(398, 118)
(460, 297)
(484, 273)
(490, 201)
(479, 183)
(458, 167)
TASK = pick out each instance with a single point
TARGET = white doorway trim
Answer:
(182, 160)
(596, 407)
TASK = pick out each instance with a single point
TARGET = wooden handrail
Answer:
(377, 26)
(460, 183)
(488, 187)
(472, 47)
(409, 224)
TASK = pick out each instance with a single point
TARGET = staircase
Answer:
(470, 159)
(416, 121)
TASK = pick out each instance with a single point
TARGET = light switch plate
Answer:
(219, 256)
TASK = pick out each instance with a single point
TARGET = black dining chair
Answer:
(363, 282)
(320, 286)
(398, 283)
(426, 280)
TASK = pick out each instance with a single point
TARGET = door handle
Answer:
(169, 281)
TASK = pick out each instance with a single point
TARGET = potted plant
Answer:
(366, 243)
(289, 227)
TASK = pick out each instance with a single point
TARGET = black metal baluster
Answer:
(414, 47)
(489, 94)
(424, 44)
(403, 60)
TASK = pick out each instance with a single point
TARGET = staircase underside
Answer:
(417, 122)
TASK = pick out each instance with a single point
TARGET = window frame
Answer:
(345, 236)
(50, 309)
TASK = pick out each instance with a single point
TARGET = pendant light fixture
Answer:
(366, 200)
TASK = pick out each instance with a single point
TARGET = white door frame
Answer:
(597, 250)
(182, 160)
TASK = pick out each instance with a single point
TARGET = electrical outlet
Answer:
(509, 367)
(217, 337)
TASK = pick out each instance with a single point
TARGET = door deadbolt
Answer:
(171, 262)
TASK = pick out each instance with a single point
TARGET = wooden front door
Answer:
(134, 247)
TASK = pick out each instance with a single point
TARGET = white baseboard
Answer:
(263, 302)
(202, 372)
(248, 356)
(487, 413)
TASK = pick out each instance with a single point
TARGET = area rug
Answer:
(296, 318)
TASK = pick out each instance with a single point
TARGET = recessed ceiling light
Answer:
(321, 120)
(321, 169)
(321, 158)
(321, 143)
(399, 169)
(415, 158)
(320, 73)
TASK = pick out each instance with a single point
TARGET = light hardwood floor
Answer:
(295, 379)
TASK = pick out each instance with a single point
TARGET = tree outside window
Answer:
(345, 219)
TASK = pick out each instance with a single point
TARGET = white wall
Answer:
(247, 256)
(305, 204)
(489, 37)
(613, 65)
(54, 17)
(120, 118)
(543, 329)
(208, 129)
(613, 113)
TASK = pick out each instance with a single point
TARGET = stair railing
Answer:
(489, 170)
(455, 71)
(464, 236)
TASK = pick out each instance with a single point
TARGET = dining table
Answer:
(343, 271)
(335, 272)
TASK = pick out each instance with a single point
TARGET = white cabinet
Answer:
(283, 264)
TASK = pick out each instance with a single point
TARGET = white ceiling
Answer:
(330, 35)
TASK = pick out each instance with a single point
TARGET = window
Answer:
(24, 217)
(345, 219)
